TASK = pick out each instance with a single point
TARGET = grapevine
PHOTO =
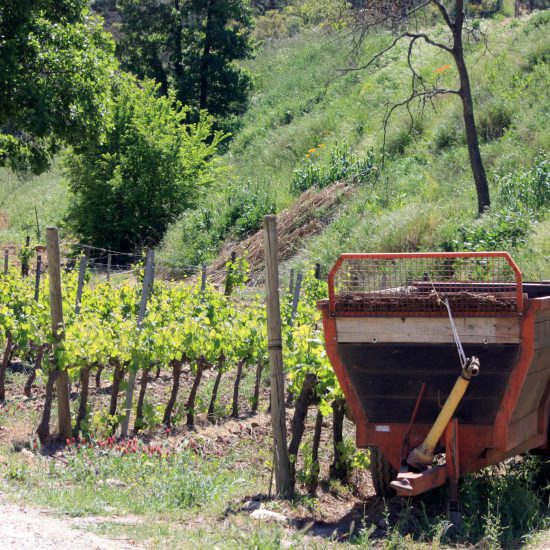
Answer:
(186, 327)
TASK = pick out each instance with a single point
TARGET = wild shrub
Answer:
(147, 169)
(539, 54)
(523, 196)
(343, 164)
(494, 120)
(248, 204)
(538, 20)
(500, 230)
(501, 503)
(397, 142)
(448, 134)
(527, 189)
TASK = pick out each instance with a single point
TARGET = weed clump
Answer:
(343, 164)
(503, 504)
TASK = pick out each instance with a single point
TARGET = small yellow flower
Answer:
(312, 150)
(321, 145)
(308, 155)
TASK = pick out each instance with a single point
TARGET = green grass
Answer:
(19, 195)
(194, 496)
(425, 192)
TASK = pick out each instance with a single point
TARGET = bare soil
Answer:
(307, 217)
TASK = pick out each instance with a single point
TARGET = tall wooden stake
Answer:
(80, 284)
(37, 279)
(37, 225)
(296, 298)
(147, 285)
(6, 261)
(203, 278)
(56, 308)
(229, 275)
(318, 271)
(283, 483)
(109, 259)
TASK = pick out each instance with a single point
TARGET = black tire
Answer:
(382, 473)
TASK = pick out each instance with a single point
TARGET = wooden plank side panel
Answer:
(471, 330)
(542, 334)
(387, 379)
(531, 394)
(438, 384)
(386, 411)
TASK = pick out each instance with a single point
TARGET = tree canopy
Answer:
(55, 66)
(192, 46)
(149, 167)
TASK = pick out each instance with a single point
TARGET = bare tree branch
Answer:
(374, 58)
(444, 13)
(428, 40)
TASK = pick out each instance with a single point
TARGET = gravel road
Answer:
(29, 528)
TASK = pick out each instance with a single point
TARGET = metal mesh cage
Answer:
(394, 284)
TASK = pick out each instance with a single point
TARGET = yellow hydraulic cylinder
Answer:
(422, 456)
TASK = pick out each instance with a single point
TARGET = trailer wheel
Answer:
(382, 473)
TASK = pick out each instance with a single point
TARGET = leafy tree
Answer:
(191, 45)
(146, 38)
(55, 66)
(149, 167)
(215, 34)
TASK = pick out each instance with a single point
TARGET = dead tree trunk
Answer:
(43, 430)
(465, 92)
(176, 376)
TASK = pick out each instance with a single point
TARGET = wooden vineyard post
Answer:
(25, 258)
(80, 284)
(37, 224)
(56, 309)
(147, 285)
(318, 271)
(296, 298)
(37, 279)
(6, 261)
(229, 275)
(283, 484)
(203, 278)
(109, 259)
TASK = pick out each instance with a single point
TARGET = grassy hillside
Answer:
(19, 195)
(306, 123)
(423, 197)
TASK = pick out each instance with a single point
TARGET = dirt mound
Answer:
(308, 216)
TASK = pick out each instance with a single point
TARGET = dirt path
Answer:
(25, 528)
